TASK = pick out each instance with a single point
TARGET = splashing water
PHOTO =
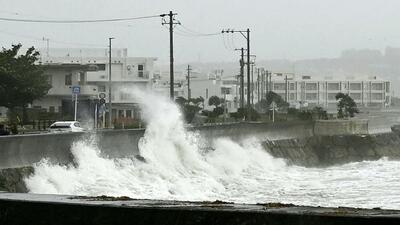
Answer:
(175, 168)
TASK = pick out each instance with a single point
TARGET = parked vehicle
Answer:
(66, 126)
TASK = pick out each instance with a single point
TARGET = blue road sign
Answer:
(76, 90)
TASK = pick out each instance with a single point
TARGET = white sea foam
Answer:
(176, 168)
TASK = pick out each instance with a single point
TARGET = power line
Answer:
(196, 33)
(224, 40)
(184, 31)
(77, 21)
(233, 41)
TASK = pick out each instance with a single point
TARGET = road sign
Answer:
(102, 101)
(76, 90)
(102, 95)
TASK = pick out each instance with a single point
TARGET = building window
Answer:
(68, 79)
(129, 113)
(52, 109)
(333, 86)
(377, 87)
(355, 86)
(120, 113)
(225, 91)
(332, 96)
(140, 70)
(102, 88)
(355, 96)
(291, 86)
(292, 96)
(377, 96)
(311, 86)
(279, 86)
(311, 96)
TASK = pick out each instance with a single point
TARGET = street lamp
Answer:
(109, 84)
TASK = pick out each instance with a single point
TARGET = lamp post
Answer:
(109, 85)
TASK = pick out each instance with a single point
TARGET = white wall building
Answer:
(89, 69)
(161, 84)
(225, 89)
(369, 92)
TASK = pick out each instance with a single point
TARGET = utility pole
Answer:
(188, 80)
(171, 24)
(252, 84)
(270, 81)
(109, 85)
(247, 37)
(286, 89)
(266, 82)
(262, 83)
(258, 84)
(241, 77)
(248, 74)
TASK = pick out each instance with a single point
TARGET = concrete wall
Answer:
(321, 151)
(24, 150)
(77, 210)
(341, 127)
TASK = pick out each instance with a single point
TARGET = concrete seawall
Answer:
(341, 127)
(74, 210)
(24, 150)
(322, 151)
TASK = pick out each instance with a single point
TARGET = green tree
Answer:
(21, 80)
(274, 97)
(214, 100)
(346, 106)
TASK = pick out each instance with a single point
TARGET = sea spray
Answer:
(175, 168)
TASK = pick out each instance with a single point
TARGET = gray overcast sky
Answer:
(291, 29)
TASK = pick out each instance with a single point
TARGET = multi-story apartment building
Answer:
(89, 69)
(370, 92)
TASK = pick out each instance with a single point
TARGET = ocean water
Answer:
(176, 168)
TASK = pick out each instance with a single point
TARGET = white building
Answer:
(161, 84)
(224, 89)
(369, 92)
(89, 69)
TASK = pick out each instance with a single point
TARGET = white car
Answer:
(66, 126)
